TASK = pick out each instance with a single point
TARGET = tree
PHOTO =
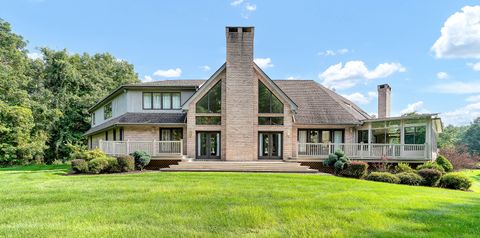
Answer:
(452, 136)
(472, 137)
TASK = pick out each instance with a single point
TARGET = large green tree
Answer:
(472, 137)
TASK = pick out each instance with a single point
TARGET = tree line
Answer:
(44, 102)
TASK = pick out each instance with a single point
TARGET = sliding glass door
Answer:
(208, 145)
(270, 145)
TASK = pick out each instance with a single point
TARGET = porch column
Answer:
(402, 137)
(370, 139)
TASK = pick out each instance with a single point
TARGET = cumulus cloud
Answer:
(463, 115)
(205, 68)
(263, 62)
(35, 55)
(147, 78)
(414, 107)
(460, 35)
(457, 87)
(250, 7)
(475, 66)
(442, 75)
(334, 52)
(360, 98)
(236, 3)
(346, 76)
(475, 98)
(169, 73)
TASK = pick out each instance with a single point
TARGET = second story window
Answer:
(107, 111)
(212, 101)
(165, 101)
(93, 119)
(267, 101)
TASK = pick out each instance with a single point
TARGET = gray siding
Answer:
(119, 107)
(135, 100)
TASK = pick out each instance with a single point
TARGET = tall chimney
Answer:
(240, 88)
(384, 92)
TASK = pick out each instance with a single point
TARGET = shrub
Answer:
(336, 160)
(126, 163)
(446, 165)
(355, 169)
(403, 168)
(79, 166)
(99, 165)
(460, 158)
(431, 165)
(430, 177)
(141, 159)
(383, 177)
(410, 178)
(88, 155)
(112, 166)
(455, 181)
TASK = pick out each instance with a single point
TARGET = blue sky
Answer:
(428, 51)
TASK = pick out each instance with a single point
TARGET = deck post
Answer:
(114, 151)
(128, 145)
(100, 144)
(361, 150)
(181, 147)
(153, 147)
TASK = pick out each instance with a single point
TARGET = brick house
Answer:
(240, 114)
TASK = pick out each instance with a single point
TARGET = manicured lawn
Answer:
(39, 201)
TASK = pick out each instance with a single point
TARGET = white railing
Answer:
(153, 148)
(364, 151)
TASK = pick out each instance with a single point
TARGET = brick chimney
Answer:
(384, 92)
(240, 87)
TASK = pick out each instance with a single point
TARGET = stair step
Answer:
(241, 166)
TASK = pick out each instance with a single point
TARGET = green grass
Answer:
(39, 201)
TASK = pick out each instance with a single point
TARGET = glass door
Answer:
(208, 145)
(270, 145)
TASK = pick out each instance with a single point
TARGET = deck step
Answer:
(240, 166)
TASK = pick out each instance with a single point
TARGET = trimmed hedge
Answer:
(410, 178)
(431, 165)
(126, 163)
(455, 181)
(383, 177)
(444, 163)
(79, 166)
(430, 176)
(355, 169)
(403, 168)
(98, 165)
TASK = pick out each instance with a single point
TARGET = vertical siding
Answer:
(135, 100)
(119, 107)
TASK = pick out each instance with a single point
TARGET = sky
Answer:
(428, 51)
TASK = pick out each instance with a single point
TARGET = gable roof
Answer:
(204, 86)
(319, 105)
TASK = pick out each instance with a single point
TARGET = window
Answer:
(114, 134)
(121, 133)
(165, 101)
(363, 136)
(415, 135)
(320, 136)
(267, 102)
(93, 119)
(106, 135)
(208, 120)
(171, 134)
(107, 111)
(212, 101)
(386, 132)
(270, 120)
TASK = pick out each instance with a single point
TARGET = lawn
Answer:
(40, 201)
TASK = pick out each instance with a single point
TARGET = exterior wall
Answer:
(119, 107)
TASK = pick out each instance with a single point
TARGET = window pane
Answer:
(263, 98)
(107, 111)
(326, 137)
(277, 120)
(208, 120)
(147, 100)
(277, 106)
(212, 101)
(420, 135)
(202, 105)
(263, 120)
(167, 101)
(314, 136)
(177, 134)
(363, 136)
(157, 101)
(176, 100)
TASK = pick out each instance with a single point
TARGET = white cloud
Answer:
(334, 52)
(414, 107)
(292, 78)
(346, 76)
(236, 3)
(169, 73)
(460, 35)
(475, 66)
(463, 115)
(205, 68)
(475, 98)
(359, 98)
(457, 87)
(147, 79)
(35, 55)
(442, 75)
(250, 7)
(263, 62)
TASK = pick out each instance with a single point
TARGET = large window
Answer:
(212, 101)
(171, 134)
(267, 102)
(107, 111)
(270, 121)
(320, 136)
(415, 134)
(165, 101)
(386, 132)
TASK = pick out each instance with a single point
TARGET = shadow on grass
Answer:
(34, 168)
(443, 220)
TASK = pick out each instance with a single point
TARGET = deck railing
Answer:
(363, 151)
(153, 148)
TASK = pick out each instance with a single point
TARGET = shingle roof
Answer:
(141, 118)
(319, 105)
(171, 83)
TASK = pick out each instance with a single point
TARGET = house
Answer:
(240, 114)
